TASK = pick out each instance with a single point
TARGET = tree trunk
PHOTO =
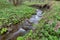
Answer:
(15, 2)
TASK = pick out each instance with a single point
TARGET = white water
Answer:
(35, 18)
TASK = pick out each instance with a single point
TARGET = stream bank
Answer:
(24, 28)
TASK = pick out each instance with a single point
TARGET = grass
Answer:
(3, 30)
(7, 10)
(10, 14)
(45, 30)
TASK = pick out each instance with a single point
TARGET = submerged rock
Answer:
(20, 32)
(27, 27)
(27, 23)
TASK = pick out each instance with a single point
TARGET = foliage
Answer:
(18, 13)
(12, 14)
(3, 30)
(20, 38)
(26, 36)
(46, 31)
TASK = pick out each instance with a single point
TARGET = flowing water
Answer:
(21, 30)
(35, 18)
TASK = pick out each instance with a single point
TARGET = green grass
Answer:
(7, 10)
(3, 30)
(46, 31)
(12, 14)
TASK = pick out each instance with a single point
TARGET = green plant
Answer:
(49, 32)
(26, 36)
(16, 13)
(58, 17)
(20, 38)
(3, 30)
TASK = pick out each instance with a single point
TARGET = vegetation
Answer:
(10, 14)
(45, 30)
(3, 30)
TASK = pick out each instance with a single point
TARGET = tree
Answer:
(15, 2)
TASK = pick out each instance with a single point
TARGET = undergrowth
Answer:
(45, 31)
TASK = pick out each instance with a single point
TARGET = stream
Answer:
(25, 27)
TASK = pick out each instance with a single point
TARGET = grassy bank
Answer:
(46, 29)
(14, 13)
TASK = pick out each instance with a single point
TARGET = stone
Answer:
(27, 27)
(21, 31)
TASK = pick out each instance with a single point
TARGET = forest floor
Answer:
(48, 27)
